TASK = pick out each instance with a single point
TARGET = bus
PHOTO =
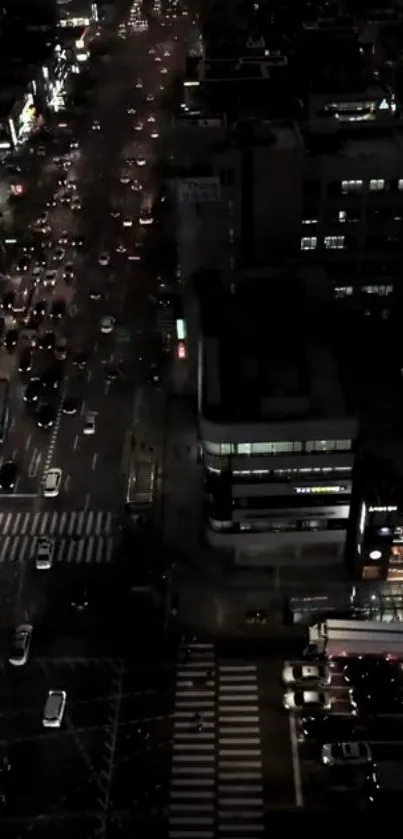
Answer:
(4, 408)
(141, 483)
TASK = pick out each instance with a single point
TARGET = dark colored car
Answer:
(11, 339)
(22, 265)
(80, 359)
(52, 378)
(8, 475)
(25, 361)
(79, 597)
(32, 392)
(8, 301)
(47, 341)
(46, 416)
(58, 309)
(327, 729)
(40, 309)
(71, 405)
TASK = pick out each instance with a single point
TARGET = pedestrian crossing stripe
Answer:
(93, 549)
(216, 776)
(81, 523)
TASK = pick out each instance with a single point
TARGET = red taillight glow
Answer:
(181, 351)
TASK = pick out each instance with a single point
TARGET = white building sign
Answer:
(199, 190)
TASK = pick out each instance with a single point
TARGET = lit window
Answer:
(376, 185)
(231, 234)
(244, 448)
(343, 291)
(382, 290)
(309, 243)
(309, 221)
(351, 186)
(335, 243)
(400, 184)
(342, 215)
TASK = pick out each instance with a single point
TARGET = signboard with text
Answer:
(199, 190)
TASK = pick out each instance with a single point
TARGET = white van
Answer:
(52, 483)
(53, 711)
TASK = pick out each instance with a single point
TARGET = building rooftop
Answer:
(269, 353)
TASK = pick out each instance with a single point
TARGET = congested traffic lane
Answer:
(98, 467)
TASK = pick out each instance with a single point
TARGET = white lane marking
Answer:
(67, 483)
(94, 461)
(87, 501)
(76, 440)
(28, 442)
(296, 767)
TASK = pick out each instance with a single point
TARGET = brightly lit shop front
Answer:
(23, 120)
(54, 78)
(380, 542)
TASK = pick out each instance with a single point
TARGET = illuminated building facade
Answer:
(379, 553)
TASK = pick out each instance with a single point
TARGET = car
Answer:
(359, 670)
(146, 218)
(154, 134)
(71, 405)
(41, 259)
(46, 341)
(90, 423)
(49, 279)
(141, 161)
(96, 126)
(307, 700)
(164, 71)
(95, 294)
(52, 482)
(44, 553)
(20, 644)
(77, 241)
(132, 111)
(58, 254)
(139, 84)
(127, 222)
(326, 728)
(76, 205)
(138, 126)
(104, 259)
(40, 309)
(124, 179)
(305, 673)
(74, 144)
(32, 392)
(115, 213)
(61, 348)
(150, 97)
(157, 59)
(79, 597)
(166, 53)
(354, 753)
(151, 118)
(8, 301)
(376, 699)
(52, 378)
(8, 475)
(121, 248)
(64, 238)
(25, 361)
(80, 359)
(54, 709)
(154, 378)
(37, 274)
(22, 265)
(58, 309)
(46, 416)
(107, 324)
(68, 272)
(136, 186)
(11, 339)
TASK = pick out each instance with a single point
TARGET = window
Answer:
(351, 186)
(309, 221)
(327, 445)
(343, 291)
(244, 448)
(400, 184)
(268, 448)
(348, 216)
(335, 243)
(309, 243)
(382, 290)
(376, 185)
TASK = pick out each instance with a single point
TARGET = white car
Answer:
(141, 161)
(49, 279)
(146, 218)
(127, 222)
(151, 118)
(52, 482)
(107, 324)
(104, 259)
(306, 673)
(20, 645)
(164, 71)
(150, 97)
(139, 84)
(124, 179)
(154, 134)
(309, 701)
(356, 753)
(45, 549)
(90, 423)
(139, 126)
(54, 709)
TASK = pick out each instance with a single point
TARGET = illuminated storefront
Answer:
(380, 542)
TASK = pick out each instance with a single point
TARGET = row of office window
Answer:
(310, 243)
(261, 525)
(355, 214)
(380, 290)
(278, 448)
(313, 189)
(390, 243)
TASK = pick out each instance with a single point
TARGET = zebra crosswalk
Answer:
(217, 776)
(81, 523)
(93, 540)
